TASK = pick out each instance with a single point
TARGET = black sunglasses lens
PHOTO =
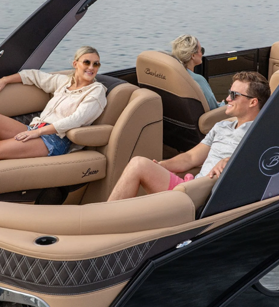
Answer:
(232, 94)
(202, 50)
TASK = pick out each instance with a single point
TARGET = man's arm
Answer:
(187, 160)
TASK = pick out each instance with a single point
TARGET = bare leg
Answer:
(13, 149)
(10, 127)
(140, 171)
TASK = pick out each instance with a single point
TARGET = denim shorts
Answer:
(55, 145)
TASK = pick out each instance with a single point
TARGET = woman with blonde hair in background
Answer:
(188, 50)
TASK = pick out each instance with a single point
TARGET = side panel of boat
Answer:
(31, 44)
(219, 69)
(217, 269)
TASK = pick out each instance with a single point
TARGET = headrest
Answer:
(109, 82)
(162, 71)
(274, 81)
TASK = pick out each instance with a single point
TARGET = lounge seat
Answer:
(130, 125)
(273, 59)
(187, 117)
(75, 255)
(274, 81)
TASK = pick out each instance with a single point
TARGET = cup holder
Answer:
(46, 240)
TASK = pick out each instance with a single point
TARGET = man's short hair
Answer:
(258, 85)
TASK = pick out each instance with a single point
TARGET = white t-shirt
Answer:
(223, 139)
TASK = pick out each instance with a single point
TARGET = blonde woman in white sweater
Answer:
(78, 100)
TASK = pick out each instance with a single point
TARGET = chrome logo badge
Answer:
(269, 161)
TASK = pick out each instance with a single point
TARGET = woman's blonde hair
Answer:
(84, 50)
(184, 46)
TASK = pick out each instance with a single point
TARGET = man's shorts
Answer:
(175, 180)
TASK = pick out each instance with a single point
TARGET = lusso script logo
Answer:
(269, 161)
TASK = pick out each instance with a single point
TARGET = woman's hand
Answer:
(27, 135)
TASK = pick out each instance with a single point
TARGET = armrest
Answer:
(97, 135)
(198, 189)
(154, 211)
(210, 118)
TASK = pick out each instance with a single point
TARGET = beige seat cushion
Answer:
(198, 189)
(273, 59)
(209, 119)
(97, 135)
(45, 172)
(274, 81)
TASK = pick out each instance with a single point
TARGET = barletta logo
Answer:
(269, 166)
(269, 162)
(148, 71)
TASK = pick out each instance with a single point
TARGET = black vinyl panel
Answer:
(180, 137)
(199, 275)
(26, 39)
(181, 117)
(264, 54)
(228, 63)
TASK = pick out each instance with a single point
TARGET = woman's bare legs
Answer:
(141, 171)
(11, 148)
(9, 127)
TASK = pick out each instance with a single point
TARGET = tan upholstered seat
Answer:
(198, 190)
(130, 125)
(273, 59)
(274, 81)
(183, 100)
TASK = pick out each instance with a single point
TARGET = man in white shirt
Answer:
(247, 95)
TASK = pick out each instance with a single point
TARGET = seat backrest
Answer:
(273, 59)
(118, 96)
(183, 99)
(198, 190)
(137, 132)
(17, 99)
(274, 81)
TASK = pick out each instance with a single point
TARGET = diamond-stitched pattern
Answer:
(71, 273)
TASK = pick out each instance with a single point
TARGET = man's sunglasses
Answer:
(88, 63)
(233, 94)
